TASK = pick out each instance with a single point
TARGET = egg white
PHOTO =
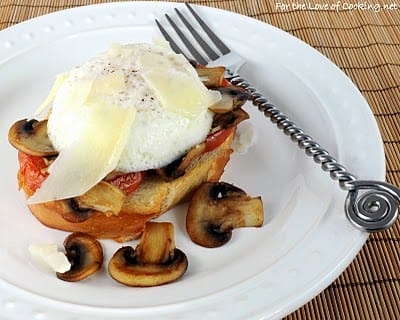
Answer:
(157, 136)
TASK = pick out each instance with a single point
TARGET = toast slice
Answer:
(153, 197)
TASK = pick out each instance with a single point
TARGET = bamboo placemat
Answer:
(364, 42)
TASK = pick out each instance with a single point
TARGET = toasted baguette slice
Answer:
(153, 197)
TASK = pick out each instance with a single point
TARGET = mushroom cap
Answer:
(125, 268)
(211, 77)
(155, 260)
(30, 136)
(229, 119)
(218, 208)
(103, 197)
(72, 212)
(232, 98)
(84, 253)
(178, 167)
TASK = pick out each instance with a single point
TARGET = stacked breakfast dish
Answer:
(125, 137)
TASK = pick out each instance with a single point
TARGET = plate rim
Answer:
(362, 239)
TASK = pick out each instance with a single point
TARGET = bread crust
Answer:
(153, 197)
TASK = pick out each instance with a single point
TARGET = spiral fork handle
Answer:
(370, 205)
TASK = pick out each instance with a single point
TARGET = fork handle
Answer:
(371, 206)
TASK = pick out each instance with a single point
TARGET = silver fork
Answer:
(370, 205)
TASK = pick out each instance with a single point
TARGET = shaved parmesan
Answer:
(100, 133)
(113, 82)
(121, 51)
(56, 86)
(176, 84)
(48, 256)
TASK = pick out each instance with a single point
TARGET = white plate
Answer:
(262, 273)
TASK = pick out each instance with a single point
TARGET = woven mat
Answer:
(365, 43)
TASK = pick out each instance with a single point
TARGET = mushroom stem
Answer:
(157, 244)
(235, 212)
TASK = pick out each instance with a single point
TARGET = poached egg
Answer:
(134, 107)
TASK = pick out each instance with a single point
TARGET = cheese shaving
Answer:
(101, 133)
(176, 84)
(53, 92)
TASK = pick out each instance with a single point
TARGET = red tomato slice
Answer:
(32, 174)
(31, 170)
(225, 83)
(128, 182)
(31, 167)
(215, 139)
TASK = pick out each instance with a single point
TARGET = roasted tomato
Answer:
(32, 171)
(225, 83)
(215, 139)
(128, 182)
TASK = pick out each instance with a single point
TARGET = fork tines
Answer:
(208, 53)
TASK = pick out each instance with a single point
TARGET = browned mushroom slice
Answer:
(218, 208)
(232, 98)
(30, 136)
(211, 76)
(84, 253)
(155, 261)
(229, 119)
(72, 212)
(103, 197)
(178, 167)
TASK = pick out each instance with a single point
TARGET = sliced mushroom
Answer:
(178, 167)
(229, 119)
(221, 121)
(30, 136)
(84, 253)
(103, 197)
(211, 76)
(72, 212)
(155, 261)
(232, 98)
(218, 208)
